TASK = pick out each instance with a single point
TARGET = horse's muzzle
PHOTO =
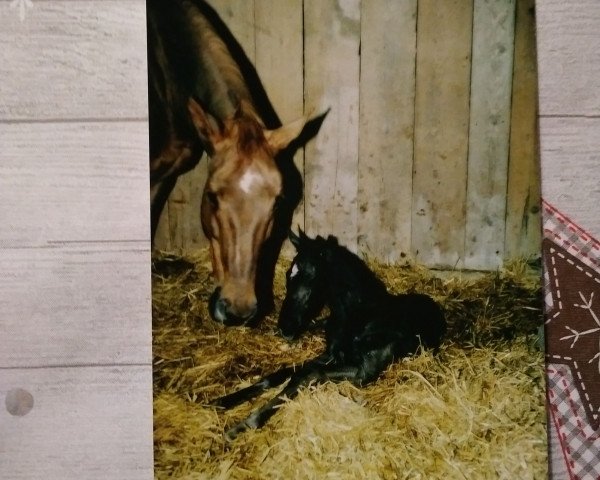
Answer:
(220, 310)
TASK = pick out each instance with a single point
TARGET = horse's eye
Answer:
(213, 199)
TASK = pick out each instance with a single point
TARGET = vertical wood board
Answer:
(523, 214)
(387, 95)
(487, 174)
(441, 131)
(332, 63)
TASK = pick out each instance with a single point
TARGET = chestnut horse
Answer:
(201, 100)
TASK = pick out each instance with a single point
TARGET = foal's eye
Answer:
(213, 199)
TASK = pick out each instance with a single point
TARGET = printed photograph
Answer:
(346, 239)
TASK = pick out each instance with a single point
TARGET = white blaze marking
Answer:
(294, 271)
(248, 179)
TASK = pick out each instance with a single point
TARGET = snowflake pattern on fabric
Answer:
(573, 325)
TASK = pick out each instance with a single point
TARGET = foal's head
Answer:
(242, 193)
(306, 284)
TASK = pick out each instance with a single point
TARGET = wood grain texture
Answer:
(74, 59)
(487, 171)
(387, 95)
(523, 213)
(87, 422)
(75, 304)
(441, 131)
(570, 151)
(280, 66)
(569, 57)
(332, 63)
(73, 181)
(74, 241)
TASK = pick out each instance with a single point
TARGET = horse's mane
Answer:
(191, 53)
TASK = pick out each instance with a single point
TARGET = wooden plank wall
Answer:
(429, 149)
(75, 328)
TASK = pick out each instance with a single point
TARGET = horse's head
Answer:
(306, 284)
(242, 193)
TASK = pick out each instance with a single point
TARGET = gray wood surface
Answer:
(73, 59)
(75, 321)
(73, 181)
(90, 423)
(570, 148)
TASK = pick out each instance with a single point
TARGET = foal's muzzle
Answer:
(221, 310)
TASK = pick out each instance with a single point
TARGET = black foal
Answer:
(367, 330)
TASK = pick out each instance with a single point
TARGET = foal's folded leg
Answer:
(273, 380)
(310, 372)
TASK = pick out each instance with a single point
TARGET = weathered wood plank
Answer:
(387, 95)
(279, 63)
(570, 152)
(487, 170)
(279, 54)
(441, 131)
(569, 57)
(72, 304)
(86, 422)
(332, 64)
(523, 215)
(84, 59)
(73, 181)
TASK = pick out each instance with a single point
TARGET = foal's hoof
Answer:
(233, 432)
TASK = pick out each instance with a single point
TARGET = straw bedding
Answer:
(473, 411)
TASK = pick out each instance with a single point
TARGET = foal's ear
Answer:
(295, 239)
(208, 127)
(281, 137)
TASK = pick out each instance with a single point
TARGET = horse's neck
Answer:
(222, 85)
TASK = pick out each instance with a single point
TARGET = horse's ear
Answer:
(281, 137)
(208, 127)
